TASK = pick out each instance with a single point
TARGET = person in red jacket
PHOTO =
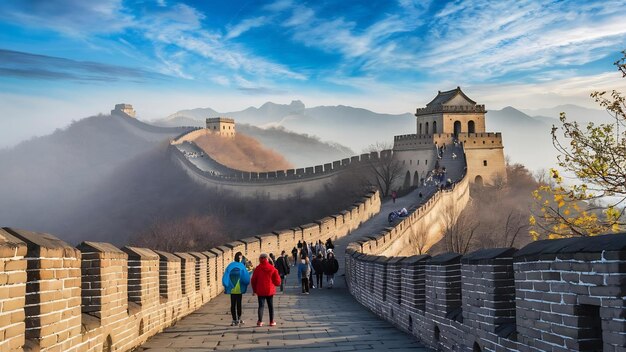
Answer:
(264, 280)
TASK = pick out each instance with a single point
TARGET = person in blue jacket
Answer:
(235, 280)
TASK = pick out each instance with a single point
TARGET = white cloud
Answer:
(245, 26)
(181, 27)
(482, 39)
(76, 18)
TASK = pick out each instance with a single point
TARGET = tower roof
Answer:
(451, 101)
(443, 97)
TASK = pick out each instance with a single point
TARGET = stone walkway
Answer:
(325, 320)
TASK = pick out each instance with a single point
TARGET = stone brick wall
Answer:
(96, 297)
(397, 240)
(554, 295)
(279, 184)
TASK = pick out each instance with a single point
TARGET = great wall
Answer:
(557, 295)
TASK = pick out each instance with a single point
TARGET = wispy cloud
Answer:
(245, 25)
(373, 45)
(172, 30)
(73, 17)
(482, 39)
(32, 66)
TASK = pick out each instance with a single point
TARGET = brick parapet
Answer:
(561, 295)
(57, 297)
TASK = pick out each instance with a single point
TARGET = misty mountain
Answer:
(527, 140)
(44, 176)
(574, 112)
(192, 117)
(81, 180)
(355, 128)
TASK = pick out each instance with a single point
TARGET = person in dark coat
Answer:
(318, 267)
(331, 266)
(264, 280)
(305, 249)
(329, 244)
(282, 265)
(294, 253)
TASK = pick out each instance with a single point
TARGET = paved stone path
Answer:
(325, 320)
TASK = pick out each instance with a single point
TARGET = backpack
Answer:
(235, 276)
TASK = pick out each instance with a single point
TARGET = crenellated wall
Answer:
(275, 184)
(553, 295)
(96, 297)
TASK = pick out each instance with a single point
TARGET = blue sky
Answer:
(65, 59)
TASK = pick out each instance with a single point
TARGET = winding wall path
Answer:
(325, 320)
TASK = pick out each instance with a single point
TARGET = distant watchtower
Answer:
(223, 126)
(123, 109)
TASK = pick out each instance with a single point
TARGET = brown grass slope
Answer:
(242, 153)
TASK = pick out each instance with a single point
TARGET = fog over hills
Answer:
(352, 127)
(526, 133)
(103, 178)
(573, 112)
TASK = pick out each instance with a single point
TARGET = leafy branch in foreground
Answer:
(596, 155)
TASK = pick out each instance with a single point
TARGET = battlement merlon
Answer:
(450, 109)
(220, 119)
(481, 140)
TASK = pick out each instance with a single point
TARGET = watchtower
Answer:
(124, 109)
(451, 112)
(452, 117)
(223, 126)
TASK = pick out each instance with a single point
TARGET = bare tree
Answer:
(458, 228)
(191, 233)
(385, 170)
(418, 237)
(516, 223)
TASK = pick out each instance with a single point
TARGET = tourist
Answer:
(305, 249)
(329, 244)
(294, 253)
(331, 266)
(394, 195)
(272, 259)
(318, 266)
(265, 278)
(282, 265)
(235, 280)
(299, 245)
(308, 262)
(310, 251)
(320, 248)
(304, 271)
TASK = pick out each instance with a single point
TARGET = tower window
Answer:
(484, 162)
(426, 162)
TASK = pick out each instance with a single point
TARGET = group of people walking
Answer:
(317, 260)
(320, 266)
(272, 272)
